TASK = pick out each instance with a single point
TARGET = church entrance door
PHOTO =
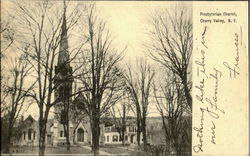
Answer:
(80, 135)
(49, 141)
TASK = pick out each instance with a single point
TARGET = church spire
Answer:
(63, 58)
(63, 71)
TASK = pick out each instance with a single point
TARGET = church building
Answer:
(79, 132)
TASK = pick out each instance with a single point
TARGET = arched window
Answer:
(29, 134)
(63, 92)
(80, 135)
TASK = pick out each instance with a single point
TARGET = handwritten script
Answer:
(208, 88)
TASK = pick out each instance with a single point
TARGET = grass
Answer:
(76, 151)
(62, 151)
(50, 150)
(114, 150)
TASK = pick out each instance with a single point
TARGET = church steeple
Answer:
(63, 73)
(63, 58)
(63, 70)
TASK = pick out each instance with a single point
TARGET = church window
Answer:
(66, 92)
(60, 92)
(29, 134)
(24, 135)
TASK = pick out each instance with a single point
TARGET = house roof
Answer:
(30, 118)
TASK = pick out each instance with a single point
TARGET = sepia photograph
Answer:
(96, 78)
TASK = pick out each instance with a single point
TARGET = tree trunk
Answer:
(8, 143)
(123, 125)
(144, 133)
(138, 132)
(123, 138)
(42, 129)
(187, 92)
(66, 130)
(66, 124)
(67, 138)
(95, 135)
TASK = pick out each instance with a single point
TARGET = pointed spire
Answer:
(63, 57)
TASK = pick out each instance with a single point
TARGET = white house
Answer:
(112, 136)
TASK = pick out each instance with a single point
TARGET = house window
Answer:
(107, 129)
(126, 138)
(107, 138)
(61, 134)
(115, 138)
(24, 135)
(132, 129)
(34, 135)
(29, 134)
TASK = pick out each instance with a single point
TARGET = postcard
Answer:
(134, 78)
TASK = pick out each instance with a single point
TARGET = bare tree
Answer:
(99, 76)
(120, 114)
(13, 83)
(172, 106)
(139, 86)
(7, 39)
(172, 44)
(14, 94)
(7, 34)
(41, 28)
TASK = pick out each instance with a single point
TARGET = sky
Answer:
(128, 22)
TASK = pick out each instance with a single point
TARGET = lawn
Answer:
(115, 150)
(50, 150)
(62, 151)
